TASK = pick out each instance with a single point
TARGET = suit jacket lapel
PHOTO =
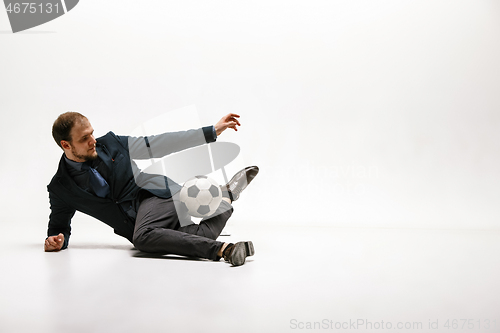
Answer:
(65, 180)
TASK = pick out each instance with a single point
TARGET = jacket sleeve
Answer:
(156, 146)
(60, 218)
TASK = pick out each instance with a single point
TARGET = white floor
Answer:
(331, 279)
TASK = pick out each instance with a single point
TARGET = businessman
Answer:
(99, 177)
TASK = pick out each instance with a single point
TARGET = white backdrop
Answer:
(359, 113)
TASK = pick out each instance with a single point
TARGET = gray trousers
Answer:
(161, 228)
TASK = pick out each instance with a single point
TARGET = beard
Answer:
(87, 157)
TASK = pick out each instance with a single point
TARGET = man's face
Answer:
(81, 148)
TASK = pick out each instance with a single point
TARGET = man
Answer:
(98, 177)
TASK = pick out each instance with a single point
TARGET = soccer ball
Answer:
(201, 196)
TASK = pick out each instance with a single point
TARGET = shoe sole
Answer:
(235, 194)
(241, 251)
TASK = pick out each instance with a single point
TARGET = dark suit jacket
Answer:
(124, 178)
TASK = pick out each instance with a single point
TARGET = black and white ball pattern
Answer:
(201, 196)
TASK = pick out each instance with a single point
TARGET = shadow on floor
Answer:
(90, 246)
(139, 254)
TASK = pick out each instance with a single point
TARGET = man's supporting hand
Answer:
(54, 243)
(228, 121)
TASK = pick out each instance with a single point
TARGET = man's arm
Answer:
(157, 146)
(59, 228)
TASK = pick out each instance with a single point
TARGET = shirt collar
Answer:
(75, 165)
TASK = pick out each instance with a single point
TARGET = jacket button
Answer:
(125, 221)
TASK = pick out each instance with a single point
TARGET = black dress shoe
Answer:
(236, 254)
(239, 182)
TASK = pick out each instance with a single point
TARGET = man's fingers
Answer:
(232, 117)
(232, 125)
(54, 242)
(48, 247)
(235, 121)
(228, 121)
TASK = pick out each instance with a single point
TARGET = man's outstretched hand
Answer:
(54, 243)
(228, 121)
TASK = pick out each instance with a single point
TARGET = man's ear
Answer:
(65, 144)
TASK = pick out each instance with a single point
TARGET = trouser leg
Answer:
(210, 226)
(158, 229)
